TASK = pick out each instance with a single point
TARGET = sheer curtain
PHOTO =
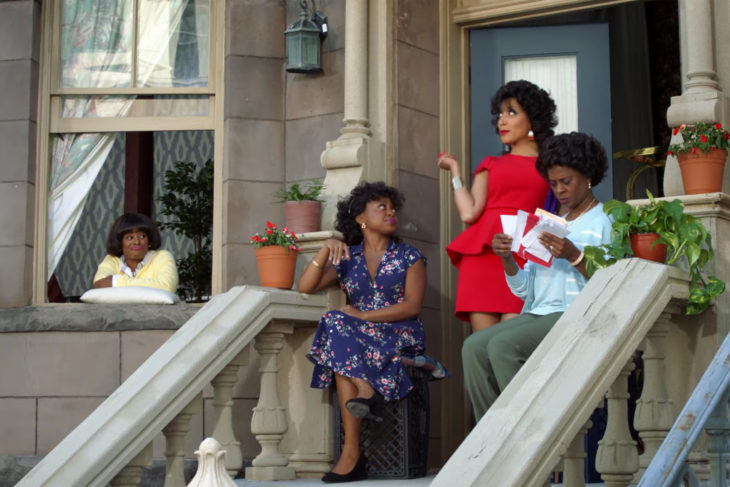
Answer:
(558, 76)
(97, 52)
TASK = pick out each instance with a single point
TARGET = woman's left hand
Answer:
(352, 311)
(560, 248)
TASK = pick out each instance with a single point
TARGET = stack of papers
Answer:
(524, 228)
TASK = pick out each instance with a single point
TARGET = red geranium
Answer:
(274, 236)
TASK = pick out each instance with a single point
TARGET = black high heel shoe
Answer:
(359, 472)
(372, 408)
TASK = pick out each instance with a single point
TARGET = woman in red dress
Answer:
(524, 116)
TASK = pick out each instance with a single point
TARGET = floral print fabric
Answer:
(362, 349)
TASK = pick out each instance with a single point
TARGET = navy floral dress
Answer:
(362, 349)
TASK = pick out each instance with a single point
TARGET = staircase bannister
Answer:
(103, 446)
(707, 404)
(521, 438)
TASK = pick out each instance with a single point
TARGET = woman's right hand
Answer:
(502, 244)
(337, 250)
(447, 162)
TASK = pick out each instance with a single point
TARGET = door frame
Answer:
(456, 19)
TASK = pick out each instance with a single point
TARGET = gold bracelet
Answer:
(314, 262)
(579, 259)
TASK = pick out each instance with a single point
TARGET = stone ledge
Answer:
(95, 317)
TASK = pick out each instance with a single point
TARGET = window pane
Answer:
(558, 75)
(96, 43)
(130, 106)
(174, 41)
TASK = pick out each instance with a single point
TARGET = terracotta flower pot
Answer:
(276, 265)
(702, 172)
(641, 245)
(303, 216)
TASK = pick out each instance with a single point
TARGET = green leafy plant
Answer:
(301, 192)
(274, 236)
(683, 234)
(700, 137)
(188, 199)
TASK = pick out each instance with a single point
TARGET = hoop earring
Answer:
(589, 185)
(363, 226)
(531, 135)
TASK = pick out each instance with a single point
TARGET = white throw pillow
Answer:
(129, 294)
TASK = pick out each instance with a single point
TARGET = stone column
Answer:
(175, 433)
(223, 406)
(654, 414)
(617, 458)
(269, 421)
(131, 474)
(701, 100)
(345, 157)
(574, 459)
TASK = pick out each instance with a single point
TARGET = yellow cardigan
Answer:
(159, 272)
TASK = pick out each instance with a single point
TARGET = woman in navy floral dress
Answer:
(359, 346)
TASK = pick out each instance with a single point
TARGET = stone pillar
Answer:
(345, 157)
(223, 406)
(574, 459)
(131, 474)
(617, 458)
(701, 99)
(175, 433)
(654, 414)
(269, 421)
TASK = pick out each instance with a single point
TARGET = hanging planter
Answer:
(276, 265)
(702, 172)
(641, 244)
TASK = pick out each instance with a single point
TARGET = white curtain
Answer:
(558, 75)
(97, 52)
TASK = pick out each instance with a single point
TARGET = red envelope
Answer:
(532, 220)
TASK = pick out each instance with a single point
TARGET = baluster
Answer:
(654, 414)
(717, 428)
(131, 474)
(574, 459)
(175, 433)
(211, 466)
(617, 458)
(223, 408)
(269, 422)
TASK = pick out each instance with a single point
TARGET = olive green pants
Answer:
(491, 357)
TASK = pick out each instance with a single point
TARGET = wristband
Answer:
(579, 259)
(456, 182)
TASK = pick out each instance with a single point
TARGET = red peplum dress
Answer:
(513, 184)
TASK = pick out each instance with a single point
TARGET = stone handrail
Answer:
(114, 442)
(706, 410)
(543, 413)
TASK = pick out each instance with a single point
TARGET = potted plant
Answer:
(701, 156)
(188, 200)
(683, 235)
(302, 206)
(276, 256)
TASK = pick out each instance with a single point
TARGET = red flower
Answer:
(669, 153)
(269, 231)
(703, 138)
(718, 126)
(270, 225)
(675, 131)
(694, 150)
(726, 136)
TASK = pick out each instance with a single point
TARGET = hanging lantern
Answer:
(303, 45)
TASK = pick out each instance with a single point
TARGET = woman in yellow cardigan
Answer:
(134, 258)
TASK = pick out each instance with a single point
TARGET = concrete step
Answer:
(420, 482)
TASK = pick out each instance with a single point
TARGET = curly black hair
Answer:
(536, 102)
(126, 224)
(575, 150)
(354, 204)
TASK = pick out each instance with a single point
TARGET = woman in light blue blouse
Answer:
(572, 164)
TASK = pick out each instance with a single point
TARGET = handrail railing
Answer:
(708, 402)
(548, 403)
(160, 391)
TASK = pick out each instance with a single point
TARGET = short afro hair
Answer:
(537, 103)
(354, 204)
(574, 150)
(126, 224)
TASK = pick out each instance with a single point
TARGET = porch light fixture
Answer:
(303, 39)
